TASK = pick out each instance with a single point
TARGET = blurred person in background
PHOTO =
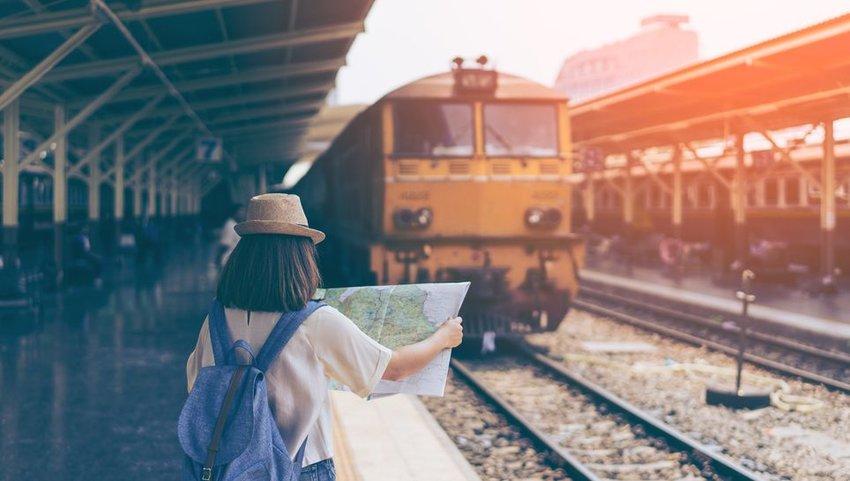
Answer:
(229, 238)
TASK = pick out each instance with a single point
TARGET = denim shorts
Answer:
(321, 471)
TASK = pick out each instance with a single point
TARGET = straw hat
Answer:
(277, 214)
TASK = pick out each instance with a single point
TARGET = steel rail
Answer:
(833, 356)
(575, 468)
(763, 362)
(721, 464)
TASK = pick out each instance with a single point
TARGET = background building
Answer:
(660, 46)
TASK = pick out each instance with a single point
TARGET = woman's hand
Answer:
(451, 332)
(408, 360)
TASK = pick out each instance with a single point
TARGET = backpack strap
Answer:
(282, 333)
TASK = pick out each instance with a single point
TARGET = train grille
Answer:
(549, 168)
(501, 168)
(408, 168)
(459, 168)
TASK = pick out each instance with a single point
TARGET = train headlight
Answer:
(536, 218)
(410, 219)
(424, 217)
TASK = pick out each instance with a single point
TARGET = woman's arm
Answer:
(411, 359)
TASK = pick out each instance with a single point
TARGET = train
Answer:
(459, 176)
(783, 203)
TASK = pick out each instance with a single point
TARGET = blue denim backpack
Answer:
(226, 427)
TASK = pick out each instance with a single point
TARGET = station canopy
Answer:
(795, 79)
(252, 72)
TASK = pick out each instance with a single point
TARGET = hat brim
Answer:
(250, 227)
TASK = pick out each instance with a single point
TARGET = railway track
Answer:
(778, 354)
(589, 432)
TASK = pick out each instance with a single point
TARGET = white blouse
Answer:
(327, 345)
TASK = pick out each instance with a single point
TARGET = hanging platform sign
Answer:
(208, 149)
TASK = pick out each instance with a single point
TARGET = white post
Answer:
(60, 189)
(11, 157)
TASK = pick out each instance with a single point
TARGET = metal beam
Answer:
(149, 138)
(156, 158)
(208, 51)
(85, 113)
(709, 164)
(244, 77)
(787, 157)
(654, 176)
(289, 126)
(117, 133)
(64, 20)
(237, 101)
(37, 72)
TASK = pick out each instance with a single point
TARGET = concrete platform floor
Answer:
(92, 388)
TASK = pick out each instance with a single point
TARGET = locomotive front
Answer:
(475, 166)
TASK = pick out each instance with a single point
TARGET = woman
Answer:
(273, 270)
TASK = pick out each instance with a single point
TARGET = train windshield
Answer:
(523, 130)
(433, 130)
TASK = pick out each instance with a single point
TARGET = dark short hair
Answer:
(271, 273)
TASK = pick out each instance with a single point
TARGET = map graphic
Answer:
(396, 316)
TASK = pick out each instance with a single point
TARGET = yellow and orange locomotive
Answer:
(457, 176)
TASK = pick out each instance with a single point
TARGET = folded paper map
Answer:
(396, 316)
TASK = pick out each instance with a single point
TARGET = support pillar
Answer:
(137, 200)
(152, 190)
(60, 191)
(11, 157)
(590, 199)
(677, 192)
(628, 200)
(739, 201)
(263, 186)
(119, 187)
(175, 195)
(827, 204)
(94, 191)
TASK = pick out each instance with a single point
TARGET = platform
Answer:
(824, 316)
(393, 438)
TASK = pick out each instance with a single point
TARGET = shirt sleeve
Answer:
(347, 354)
(201, 357)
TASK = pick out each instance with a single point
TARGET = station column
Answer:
(119, 186)
(628, 199)
(739, 200)
(677, 191)
(11, 156)
(590, 199)
(827, 205)
(60, 189)
(262, 179)
(152, 190)
(94, 190)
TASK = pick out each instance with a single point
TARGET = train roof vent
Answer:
(408, 168)
(550, 168)
(501, 168)
(459, 168)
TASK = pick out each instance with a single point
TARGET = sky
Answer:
(409, 39)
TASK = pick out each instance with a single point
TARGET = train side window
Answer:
(792, 191)
(771, 192)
